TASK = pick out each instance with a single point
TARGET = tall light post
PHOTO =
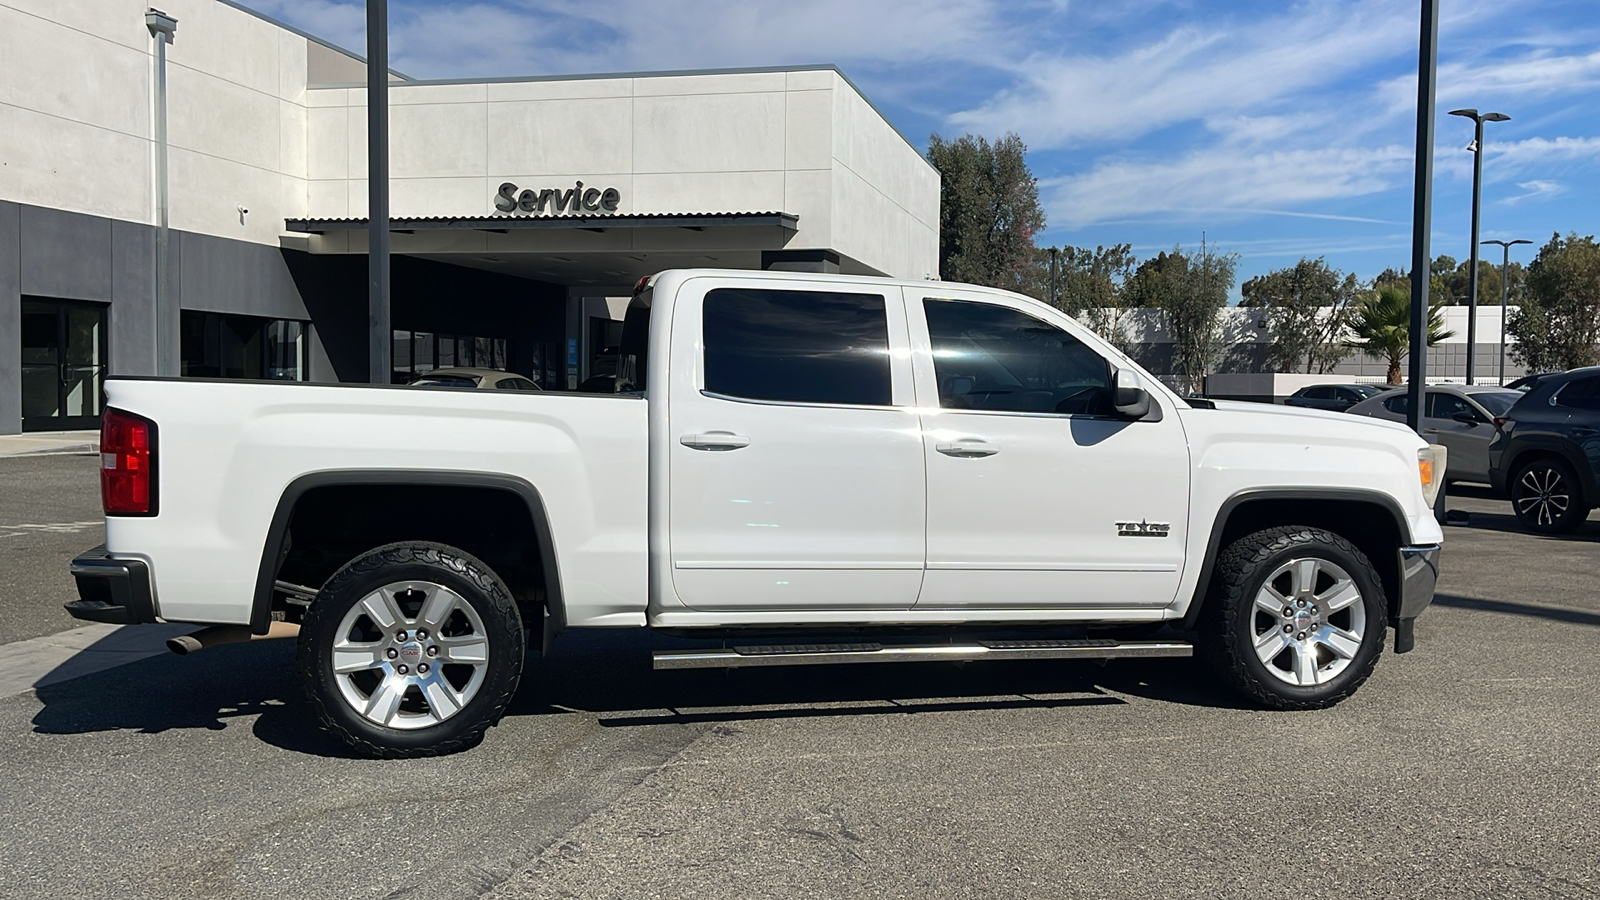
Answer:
(380, 339)
(1505, 262)
(1422, 217)
(1477, 190)
(164, 29)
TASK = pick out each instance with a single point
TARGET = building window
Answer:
(225, 346)
(420, 352)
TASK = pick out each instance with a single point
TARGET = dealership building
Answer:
(523, 210)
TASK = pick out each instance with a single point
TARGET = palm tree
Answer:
(1382, 326)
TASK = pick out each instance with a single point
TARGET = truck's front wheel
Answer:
(1295, 617)
(412, 649)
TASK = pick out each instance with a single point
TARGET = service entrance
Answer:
(63, 364)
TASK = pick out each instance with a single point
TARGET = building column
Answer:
(10, 318)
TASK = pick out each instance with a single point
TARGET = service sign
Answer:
(576, 199)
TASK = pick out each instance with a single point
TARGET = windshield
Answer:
(1370, 390)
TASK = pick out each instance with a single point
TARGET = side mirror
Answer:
(1466, 418)
(1132, 401)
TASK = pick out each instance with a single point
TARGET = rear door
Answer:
(795, 464)
(1468, 444)
(1038, 497)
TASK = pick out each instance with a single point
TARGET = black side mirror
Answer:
(1132, 401)
(1466, 418)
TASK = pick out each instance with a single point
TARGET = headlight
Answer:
(1430, 469)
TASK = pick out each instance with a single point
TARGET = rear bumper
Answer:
(112, 591)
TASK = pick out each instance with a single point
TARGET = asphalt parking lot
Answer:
(1468, 768)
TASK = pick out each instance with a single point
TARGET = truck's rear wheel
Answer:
(412, 649)
(1295, 618)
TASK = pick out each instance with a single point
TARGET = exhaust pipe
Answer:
(185, 644)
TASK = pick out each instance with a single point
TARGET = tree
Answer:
(1190, 290)
(1092, 287)
(1382, 326)
(988, 211)
(1308, 307)
(1559, 322)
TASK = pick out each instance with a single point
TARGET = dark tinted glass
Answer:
(797, 346)
(1583, 393)
(1319, 393)
(1367, 390)
(1399, 403)
(1448, 406)
(1496, 404)
(991, 357)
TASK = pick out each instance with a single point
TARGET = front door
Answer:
(1038, 496)
(63, 364)
(796, 473)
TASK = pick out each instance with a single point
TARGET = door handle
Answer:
(967, 448)
(715, 440)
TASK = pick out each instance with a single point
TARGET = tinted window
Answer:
(798, 346)
(1398, 404)
(1319, 393)
(1496, 404)
(1365, 390)
(991, 357)
(1448, 406)
(1584, 393)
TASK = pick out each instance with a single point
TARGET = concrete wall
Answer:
(802, 141)
(77, 113)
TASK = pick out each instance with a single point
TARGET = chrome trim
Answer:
(821, 654)
(1419, 575)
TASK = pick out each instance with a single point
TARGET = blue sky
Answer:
(1279, 130)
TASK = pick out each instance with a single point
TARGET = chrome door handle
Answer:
(967, 448)
(715, 440)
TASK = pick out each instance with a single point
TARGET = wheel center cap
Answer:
(1303, 620)
(411, 653)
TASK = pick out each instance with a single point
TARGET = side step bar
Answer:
(834, 654)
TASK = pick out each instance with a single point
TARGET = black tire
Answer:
(418, 561)
(1538, 490)
(1230, 621)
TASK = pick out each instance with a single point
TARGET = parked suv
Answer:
(1545, 453)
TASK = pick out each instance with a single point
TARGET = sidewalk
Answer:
(38, 443)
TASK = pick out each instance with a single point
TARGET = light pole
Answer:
(164, 29)
(1477, 189)
(1505, 261)
(1054, 299)
(1422, 215)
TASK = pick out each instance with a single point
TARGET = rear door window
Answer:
(1398, 404)
(797, 346)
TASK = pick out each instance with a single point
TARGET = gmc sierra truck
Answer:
(810, 468)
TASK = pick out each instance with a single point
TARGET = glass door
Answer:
(63, 364)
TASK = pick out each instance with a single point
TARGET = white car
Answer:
(478, 379)
(1462, 415)
(787, 454)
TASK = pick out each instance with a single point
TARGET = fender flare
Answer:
(1219, 526)
(274, 550)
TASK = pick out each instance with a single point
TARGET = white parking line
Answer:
(34, 663)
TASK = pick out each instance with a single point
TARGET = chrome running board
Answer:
(835, 654)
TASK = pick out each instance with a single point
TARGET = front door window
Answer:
(63, 364)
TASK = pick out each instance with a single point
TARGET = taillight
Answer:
(127, 464)
(1500, 421)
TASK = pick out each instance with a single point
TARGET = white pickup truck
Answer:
(786, 458)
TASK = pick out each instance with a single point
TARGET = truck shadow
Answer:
(607, 676)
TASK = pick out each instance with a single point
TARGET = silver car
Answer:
(1462, 414)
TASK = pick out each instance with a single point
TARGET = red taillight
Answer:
(1500, 421)
(127, 464)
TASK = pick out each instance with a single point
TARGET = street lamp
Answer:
(1477, 189)
(1505, 261)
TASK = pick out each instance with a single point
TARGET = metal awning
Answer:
(501, 224)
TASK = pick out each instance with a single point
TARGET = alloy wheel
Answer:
(410, 655)
(1545, 497)
(1308, 622)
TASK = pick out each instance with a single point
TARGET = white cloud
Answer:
(1533, 190)
(1191, 73)
(1212, 181)
(1538, 149)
